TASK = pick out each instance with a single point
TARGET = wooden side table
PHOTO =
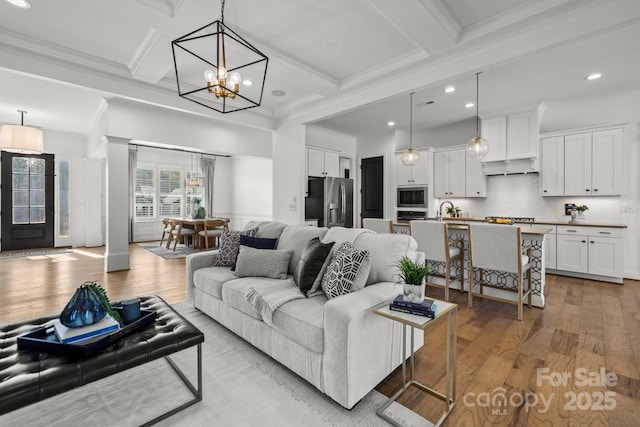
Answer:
(444, 310)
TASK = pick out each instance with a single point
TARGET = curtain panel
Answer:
(208, 166)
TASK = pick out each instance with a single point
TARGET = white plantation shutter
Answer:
(171, 192)
(145, 192)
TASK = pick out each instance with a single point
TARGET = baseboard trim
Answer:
(116, 262)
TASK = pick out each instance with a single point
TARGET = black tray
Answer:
(45, 339)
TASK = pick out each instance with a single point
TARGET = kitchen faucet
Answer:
(439, 216)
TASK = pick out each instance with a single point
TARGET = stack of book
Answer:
(426, 308)
(76, 335)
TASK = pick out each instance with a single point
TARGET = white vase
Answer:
(413, 293)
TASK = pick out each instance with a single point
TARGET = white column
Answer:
(289, 173)
(117, 201)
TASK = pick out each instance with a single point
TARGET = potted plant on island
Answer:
(413, 276)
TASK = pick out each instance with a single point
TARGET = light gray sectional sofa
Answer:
(338, 345)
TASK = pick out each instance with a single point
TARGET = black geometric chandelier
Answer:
(218, 69)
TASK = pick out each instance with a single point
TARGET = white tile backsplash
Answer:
(519, 195)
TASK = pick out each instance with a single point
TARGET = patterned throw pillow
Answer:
(262, 263)
(347, 271)
(229, 244)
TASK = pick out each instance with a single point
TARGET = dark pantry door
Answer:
(27, 201)
(372, 192)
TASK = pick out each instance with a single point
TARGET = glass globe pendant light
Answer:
(410, 156)
(478, 147)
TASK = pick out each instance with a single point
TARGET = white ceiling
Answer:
(345, 65)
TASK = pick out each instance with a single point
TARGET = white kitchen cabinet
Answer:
(449, 173)
(552, 168)
(606, 166)
(577, 164)
(475, 181)
(550, 249)
(593, 163)
(413, 175)
(512, 137)
(322, 163)
(495, 132)
(572, 253)
(591, 250)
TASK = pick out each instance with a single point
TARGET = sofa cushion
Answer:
(302, 320)
(268, 229)
(255, 242)
(262, 263)
(211, 279)
(347, 272)
(385, 250)
(310, 264)
(234, 293)
(229, 244)
(296, 237)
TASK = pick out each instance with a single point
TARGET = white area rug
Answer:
(241, 387)
(181, 250)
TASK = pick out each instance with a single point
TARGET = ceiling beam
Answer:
(426, 22)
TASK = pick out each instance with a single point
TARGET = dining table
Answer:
(198, 225)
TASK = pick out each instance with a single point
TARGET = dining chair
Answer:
(499, 248)
(378, 225)
(166, 229)
(213, 228)
(180, 232)
(433, 239)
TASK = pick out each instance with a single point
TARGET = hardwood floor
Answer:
(586, 326)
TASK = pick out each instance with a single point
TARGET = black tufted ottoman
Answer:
(30, 376)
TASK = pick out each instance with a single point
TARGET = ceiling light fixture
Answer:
(195, 54)
(391, 123)
(469, 105)
(593, 76)
(194, 179)
(410, 156)
(478, 147)
(20, 138)
(449, 89)
(23, 4)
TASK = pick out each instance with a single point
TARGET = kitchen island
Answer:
(532, 235)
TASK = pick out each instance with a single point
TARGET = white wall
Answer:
(147, 123)
(289, 173)
(71, 147)
(331, 140)
(444, 136)
(252, 196)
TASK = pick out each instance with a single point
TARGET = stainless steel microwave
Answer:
(413, 197)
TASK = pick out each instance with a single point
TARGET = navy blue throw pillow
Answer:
(256, 243)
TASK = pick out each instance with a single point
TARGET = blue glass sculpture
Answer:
(85, 308)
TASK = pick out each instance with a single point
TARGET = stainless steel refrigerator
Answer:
(330, 201)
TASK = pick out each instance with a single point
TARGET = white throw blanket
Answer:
(266, 298)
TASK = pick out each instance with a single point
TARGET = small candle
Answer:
(130, 310)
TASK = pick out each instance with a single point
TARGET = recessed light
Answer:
(278, 92)
(593, 76)
(469, 105)
(24, 4)
(449, 89)
(391, 123)
(247, 82)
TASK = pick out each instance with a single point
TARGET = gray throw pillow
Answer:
(310, 264)
(262, 263)
(229, 244)
(347, 272)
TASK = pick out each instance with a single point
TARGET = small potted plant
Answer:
(453, 212)
(413, 276)
(582, 209)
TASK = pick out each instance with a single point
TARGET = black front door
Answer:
(372, 176)
(27, 201)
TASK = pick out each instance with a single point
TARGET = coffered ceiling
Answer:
(342, 64)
